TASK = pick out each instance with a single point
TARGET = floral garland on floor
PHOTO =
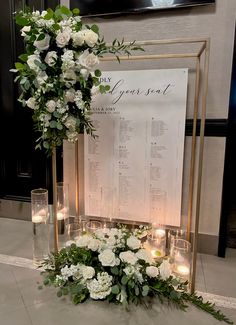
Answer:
(58, 74)
(113, 265)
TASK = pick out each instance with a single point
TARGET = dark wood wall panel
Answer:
(22, 168)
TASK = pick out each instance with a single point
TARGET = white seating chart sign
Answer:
(138, 154)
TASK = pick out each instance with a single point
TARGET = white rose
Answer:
(69, 77)
(88, 60)
(31, 62)
(70, 95)
(94, 244)
(51, 106)
(152, 271)
(51, 58)
(133, 242)
(70, 123)
(107, 258)
(88, 272)
(43, 44)
(142, 254)
(25, 30)
(31, 103)
(63, 38)
(90, 37)
(128, 257)
(165, 270)
(83, 241)
(78, 38)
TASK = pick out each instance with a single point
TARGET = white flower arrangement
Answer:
(59, 72)
(113, 265)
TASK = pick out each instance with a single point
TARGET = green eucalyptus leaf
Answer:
(97, 73)
(95, 29)
(53, 124)
(115, 289)
(124, 279)
(115, 270)
(45, 145)
(59, 126)
(136, 290)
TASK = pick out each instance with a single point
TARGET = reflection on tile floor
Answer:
(22, 303)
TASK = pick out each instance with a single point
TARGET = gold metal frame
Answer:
(201, 84)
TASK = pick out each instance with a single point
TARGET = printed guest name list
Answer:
(137, 155)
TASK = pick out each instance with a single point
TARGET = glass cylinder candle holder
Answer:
(75, 230)
(93, 225)
(62, 210)
(175, 234)
(39, 213)
(156, 241)
(181, 258)
(108, 208)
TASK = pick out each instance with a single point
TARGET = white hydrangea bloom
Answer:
(71, 136)
(88, 272)
(41, 77)
(70, 95)
(69, 77)
(100, 288)
(70, 123)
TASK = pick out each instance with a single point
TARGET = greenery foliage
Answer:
(58, 74)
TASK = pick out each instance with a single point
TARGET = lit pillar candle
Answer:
(183, 269)
(37, 218)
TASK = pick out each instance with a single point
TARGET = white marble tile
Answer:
(15, 317)
(10, 297)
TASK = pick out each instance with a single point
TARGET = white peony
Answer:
(94, 244)
(31, 103)
(63, 38)
(83, 241)
(31, 62)
(90, 37)
(152, 271)
(88, 272)
(165, 270)
(128, 257)
(51, 58)
(133, 242)
(25, 30)
(51, 106)
(78, 38)
(88, 60)
(43, 44)
(70, 95)
(107, 258)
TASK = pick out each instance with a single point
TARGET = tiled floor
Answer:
(22, 303)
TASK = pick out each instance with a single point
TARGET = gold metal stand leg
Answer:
(54, 190)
